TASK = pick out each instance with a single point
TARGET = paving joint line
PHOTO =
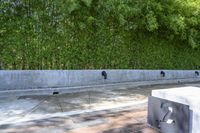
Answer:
(59, 104)
(35, 107)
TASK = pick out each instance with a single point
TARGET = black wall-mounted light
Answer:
(162, 73)
(196, 73)
(104, 74)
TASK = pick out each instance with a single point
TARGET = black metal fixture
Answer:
(196, 73)
(55, 93)
(162, 73)
(104, 74)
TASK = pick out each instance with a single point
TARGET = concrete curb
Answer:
(50, 91)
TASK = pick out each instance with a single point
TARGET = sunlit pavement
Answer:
(122, 110)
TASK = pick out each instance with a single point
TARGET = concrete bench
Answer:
(185, 96)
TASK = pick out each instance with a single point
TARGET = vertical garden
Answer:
(99, 34)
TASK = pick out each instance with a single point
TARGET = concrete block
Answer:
(185, 95)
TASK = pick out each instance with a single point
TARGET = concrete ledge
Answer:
(14, 80)
(45, 82)
(62, 90)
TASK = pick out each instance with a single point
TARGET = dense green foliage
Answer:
(93, 34)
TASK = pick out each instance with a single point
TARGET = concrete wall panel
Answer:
(14, 79)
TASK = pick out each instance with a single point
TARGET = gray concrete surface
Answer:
(25, 108)
(187, 96)
(45, 82)
(131, 120)
(12, 80)
(26, 98)
(103, 87)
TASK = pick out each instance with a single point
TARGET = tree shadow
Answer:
(132, 128)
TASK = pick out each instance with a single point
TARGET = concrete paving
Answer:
(121, 110)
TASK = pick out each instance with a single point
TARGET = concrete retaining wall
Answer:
(19, 80)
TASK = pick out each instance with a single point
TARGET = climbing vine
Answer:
(82, 34)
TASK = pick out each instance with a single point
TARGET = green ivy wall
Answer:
(98, 34)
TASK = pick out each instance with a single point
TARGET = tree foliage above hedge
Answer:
(46, 25)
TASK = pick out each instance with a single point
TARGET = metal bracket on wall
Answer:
(168, 116)
(104, 74)
(196, 73)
